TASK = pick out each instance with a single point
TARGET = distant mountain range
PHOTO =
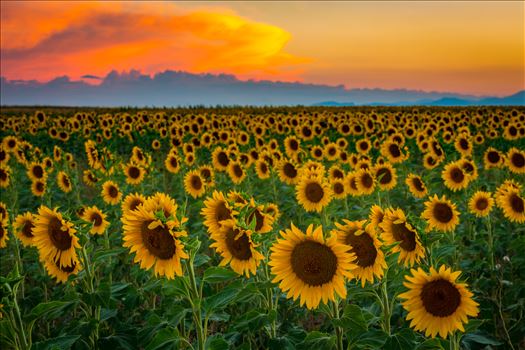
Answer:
(176, 88)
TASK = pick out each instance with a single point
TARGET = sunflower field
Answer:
(262, 228)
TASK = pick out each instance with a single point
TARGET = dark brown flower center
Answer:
(60, 238)
(134, 172)
(363, 248)
(443, 212)
(39, 186)
(27, 229)
(96, 219)
(65, 181)
(337, 174)
(240, 248)
(518, 160)
(173, 162)
(223, 159)
(464, 144)
(339, 188)
(314, 263)
(294, 145)
(493, 157)
(482, 203)
(237, 170)
(113, 191)
(196, 182)
(384, 175)
(158, 241)
(314, 192)
(3, 175)
(516, 202)
(66, 269)
(222, 212)
(440, 298)
(394, 150)
(418, 184)
(134, 204)
(367, 181)
(289, 170)
(263, 168)
(38, 171)
(259, 219)
(456, 174)
(404, 235)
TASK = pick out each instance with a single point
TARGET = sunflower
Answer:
(194, 184)
(481, 203)
(363, 243)
(55, 237)
(89, 178)
(363, 146)
(512, 203)
(63, 181)
(338, 188)
(5, 173)
(172, 163)
(134, 174)
(516, 160)
(152, 231)
(132, 201)
(392, 151)
(62, 273)
(10, 143)
(396, 229)
(416, 186)
(262, 169)
(216, 210)
(351, 184)
(287, 171)
(454, 177)
(36, 172)
(440, 214)
(365, 181)
(463, 145)
(256, 216)
(386, 176)
(317, 153)
(207, 175)
(309, 267)
(436, 303)
(23, 227)
(111, 193)
(492, 158)
(4, 155)
(292, 145)
(376, 217)
(273, 210)
(38, 188)
(313, 193)
(94, 216)
(236, 172)
(220, 159)
(3, 233)
(236, 247)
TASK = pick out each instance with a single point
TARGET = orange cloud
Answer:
(44, 40)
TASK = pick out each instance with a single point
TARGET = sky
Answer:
(470, 47)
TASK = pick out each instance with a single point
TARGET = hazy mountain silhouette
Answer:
(176, 88)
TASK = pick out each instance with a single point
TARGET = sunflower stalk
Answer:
(18, 323)
(385, 305)
(95, 310)
(195, 299)
(338, 330)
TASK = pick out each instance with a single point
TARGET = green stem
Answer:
(18, 318)
(490, 243)
(338, 330)
(95, 311)
(196, 309)
(386, 306)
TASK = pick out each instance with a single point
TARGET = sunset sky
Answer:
(474, 47)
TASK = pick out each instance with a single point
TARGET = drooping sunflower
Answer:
(436, 303)
(416, 186)
(55, 237)
(376, 217)
(273, 210)
(512, 203)
(134, 173)
(23, 227)
(440, 214)
(216, 210)
(396, 229)
(262, 169)
(3, 232)
(152, 231)
(62, 273)
(194, 184)
(256, 216)
(132, 201)
(237, 249)
(64, 182)
(351, 184)
(172, 163)
(38, 188)
(310, 268)
(236, 172)
(454, 177)
(366, 247)
(111, 193)
(89, 178)
(5, 176)
(313, 193)
(481, 203)
(516, 160)
(97, 218)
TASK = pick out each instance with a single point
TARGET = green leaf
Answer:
(49, 310)
(318, 340)
(58, 343)
(217, 274)
(372, 339)
(217, 342)
(163, 338)
(102, 255)
(253, 320)
(480, 339)
(280, 343)
(353, 321)
(106, 314)
(222, 298)
(401, 341)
